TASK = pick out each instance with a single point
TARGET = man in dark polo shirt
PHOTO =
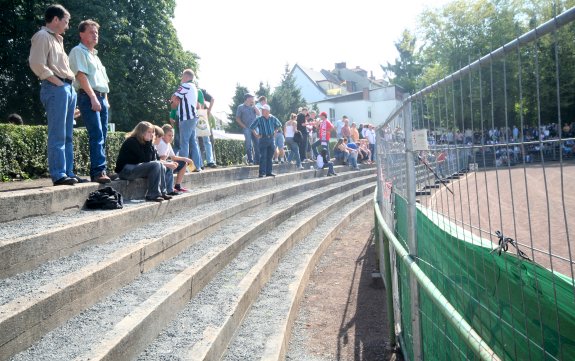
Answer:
(267, 124)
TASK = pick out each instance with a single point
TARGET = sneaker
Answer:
(181, 189)
(270, 175)
(101, 178)
(166, 197)
(65, 181)
(212, 165)
(301, 167)
(174, 193)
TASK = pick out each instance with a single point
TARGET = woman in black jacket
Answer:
(138, 159)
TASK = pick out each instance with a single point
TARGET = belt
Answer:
(65, 80)
(100, 94)
(267, 136)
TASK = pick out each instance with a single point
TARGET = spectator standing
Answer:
(302, 127)
(338, 124)
(49, 62)
(293, 146)
(354, 133)
(207, 140)
(246, 114)
(346, 130)
(267, 125)
(185, 100)
(91, 85)
(324, 132)
(370, 135)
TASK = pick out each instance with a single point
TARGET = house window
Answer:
(331, 113)
(368, 112)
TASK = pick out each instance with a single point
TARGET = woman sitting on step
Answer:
(138, 159)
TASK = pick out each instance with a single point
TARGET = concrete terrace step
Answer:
(142, 323)
(265, 331)
(29, 242)
(40, 197)
(72, 292)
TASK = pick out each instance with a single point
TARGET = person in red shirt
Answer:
(324, 132)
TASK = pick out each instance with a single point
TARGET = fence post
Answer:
(412, 233)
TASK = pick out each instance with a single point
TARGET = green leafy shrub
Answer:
(23, 151)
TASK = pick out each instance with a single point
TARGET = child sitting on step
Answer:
(166, 152)
(321, 163)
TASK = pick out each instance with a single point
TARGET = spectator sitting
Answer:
(364, 152)
(15, 119)
(166, 152)
(138, 159)
(353, 153)
(168, 164)
(340, 152)
(327, 164)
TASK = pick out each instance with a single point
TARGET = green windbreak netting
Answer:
(522, 310)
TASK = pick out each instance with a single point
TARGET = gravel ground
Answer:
(272, 305)
(210, 308)
(75, 336)
(29, 226)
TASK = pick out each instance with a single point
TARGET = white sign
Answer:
(419, 138)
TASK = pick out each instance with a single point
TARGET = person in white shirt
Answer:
(322, 161)
(166, 153)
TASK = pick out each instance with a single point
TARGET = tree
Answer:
(263, 90)
(138, 46)
(407, 69)
(286, 98)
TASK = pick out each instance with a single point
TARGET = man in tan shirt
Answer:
(49, 62)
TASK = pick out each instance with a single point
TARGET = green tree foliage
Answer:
(264, 90)
(407, 68)
(138, 46)
(462, 31)
(286, 98)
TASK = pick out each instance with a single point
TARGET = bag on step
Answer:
(105, 198)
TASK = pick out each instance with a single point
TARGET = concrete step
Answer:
(265, 331)
(198, 334)
(36, 198)
(29, 242)
(26, 320)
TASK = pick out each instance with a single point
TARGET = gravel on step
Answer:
(211, 306)
(272, 304)
(30, 281)
(75, 337)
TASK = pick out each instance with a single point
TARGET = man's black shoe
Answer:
(65, 181)
(260, 176)
(270, 175)
(80, 180)
(212, 165)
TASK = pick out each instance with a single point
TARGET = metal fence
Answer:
(475, 209)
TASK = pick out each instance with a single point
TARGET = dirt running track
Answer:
(530, 205)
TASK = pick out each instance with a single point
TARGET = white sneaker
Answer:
(300, 167)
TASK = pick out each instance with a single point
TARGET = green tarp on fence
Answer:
(522, 310)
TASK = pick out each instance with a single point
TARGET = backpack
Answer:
(105, 198)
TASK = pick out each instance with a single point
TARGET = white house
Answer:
(349, 92)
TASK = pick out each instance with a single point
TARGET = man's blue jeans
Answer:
(97, 127)
(267, 147)
(188, 142)
(251, 146)
(208, 149)
(59, 102)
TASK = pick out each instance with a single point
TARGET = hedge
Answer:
(23, 152)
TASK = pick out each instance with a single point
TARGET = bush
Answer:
(23, 151)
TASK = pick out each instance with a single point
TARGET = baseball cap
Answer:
(323, 114)
(266, 107)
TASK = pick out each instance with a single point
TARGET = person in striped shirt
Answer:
(185, 100)
(267, 124)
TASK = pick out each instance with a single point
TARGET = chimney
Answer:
(365, 93)
(341, 65)
(371, 75)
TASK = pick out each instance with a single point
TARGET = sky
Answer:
(247, 43)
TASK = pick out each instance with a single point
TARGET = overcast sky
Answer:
(245, 43)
